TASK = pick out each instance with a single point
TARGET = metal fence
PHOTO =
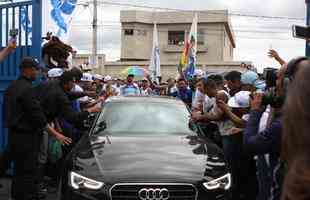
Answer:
(26, 16)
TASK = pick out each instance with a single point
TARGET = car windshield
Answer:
(147, 118)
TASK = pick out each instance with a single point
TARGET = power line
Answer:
(213, 34)
(206, 29)
(210, 12)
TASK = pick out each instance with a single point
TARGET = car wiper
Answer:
(101, 127)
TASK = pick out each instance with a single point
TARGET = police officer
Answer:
(25, 120)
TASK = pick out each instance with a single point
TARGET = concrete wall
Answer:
(81, 59)
(139, 46)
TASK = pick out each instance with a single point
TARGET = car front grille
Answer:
(131, 192)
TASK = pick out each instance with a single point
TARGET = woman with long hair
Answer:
(296, 137)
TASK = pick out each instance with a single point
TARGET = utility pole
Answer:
(308, 23)
(95, 28)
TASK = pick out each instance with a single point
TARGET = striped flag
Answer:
(154, 67)
(188, 58)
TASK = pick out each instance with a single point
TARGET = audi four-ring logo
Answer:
(154, 194)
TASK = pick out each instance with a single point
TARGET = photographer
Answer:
(267, 141)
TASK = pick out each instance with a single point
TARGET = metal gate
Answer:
(26, 16)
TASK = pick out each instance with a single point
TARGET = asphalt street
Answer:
(5, 191)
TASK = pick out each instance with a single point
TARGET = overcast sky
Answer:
(254, 36)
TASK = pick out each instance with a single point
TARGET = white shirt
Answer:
(208, 104)
(78, 88)
(264, 120)
(198, 99)
(225, 126)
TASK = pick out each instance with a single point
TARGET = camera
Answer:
(270, 76)
(13, 33)
(302, 32)
(273, 100)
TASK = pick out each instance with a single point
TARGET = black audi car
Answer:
(145, 148)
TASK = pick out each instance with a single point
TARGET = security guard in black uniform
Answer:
(25, 120)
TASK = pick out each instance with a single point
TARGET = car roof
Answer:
(148, 99)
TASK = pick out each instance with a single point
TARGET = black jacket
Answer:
(22, 109)
(56, 103)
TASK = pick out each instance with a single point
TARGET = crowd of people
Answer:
(260, 121)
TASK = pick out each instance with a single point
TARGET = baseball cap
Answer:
(29, 62)
(240, 100)
(97, 77)
(199, 73)
(249, 78)
(87, 77)
(55, 72)
(107, 78)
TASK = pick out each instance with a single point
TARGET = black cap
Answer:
(131, 75)
(29, 62)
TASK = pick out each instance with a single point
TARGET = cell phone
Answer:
(13, 33)
(302, 32)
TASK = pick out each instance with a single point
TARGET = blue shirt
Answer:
(130, 90)
(185, 95)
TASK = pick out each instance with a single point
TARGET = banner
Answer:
(188, 58)
(61, 12)
(154, 67)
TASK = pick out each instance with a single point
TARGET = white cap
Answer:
(87, 77)
(199, 73)
(107, 78)
(55, 72)
(240, 100)
(98, 77)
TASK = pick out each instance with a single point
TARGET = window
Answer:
(128, 31)
(176, 37)
(200, 37)
(171, 119)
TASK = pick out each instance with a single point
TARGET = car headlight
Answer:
(223, 182)
(78, 181)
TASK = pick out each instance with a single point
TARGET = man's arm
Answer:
(60, 137)
(69, 114)
(7, 50)
(240, 123)
(274, 54)
(256, 143)
(76, 95)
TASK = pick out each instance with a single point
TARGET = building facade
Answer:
(215, 37)
(215, 41)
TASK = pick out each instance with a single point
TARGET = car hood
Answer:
(150, 159)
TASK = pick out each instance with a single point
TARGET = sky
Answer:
(254, 36)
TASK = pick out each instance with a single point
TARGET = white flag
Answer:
(154, 67)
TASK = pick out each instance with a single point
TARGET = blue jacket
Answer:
(266, 142)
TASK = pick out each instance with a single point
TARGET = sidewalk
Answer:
(5, 190)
